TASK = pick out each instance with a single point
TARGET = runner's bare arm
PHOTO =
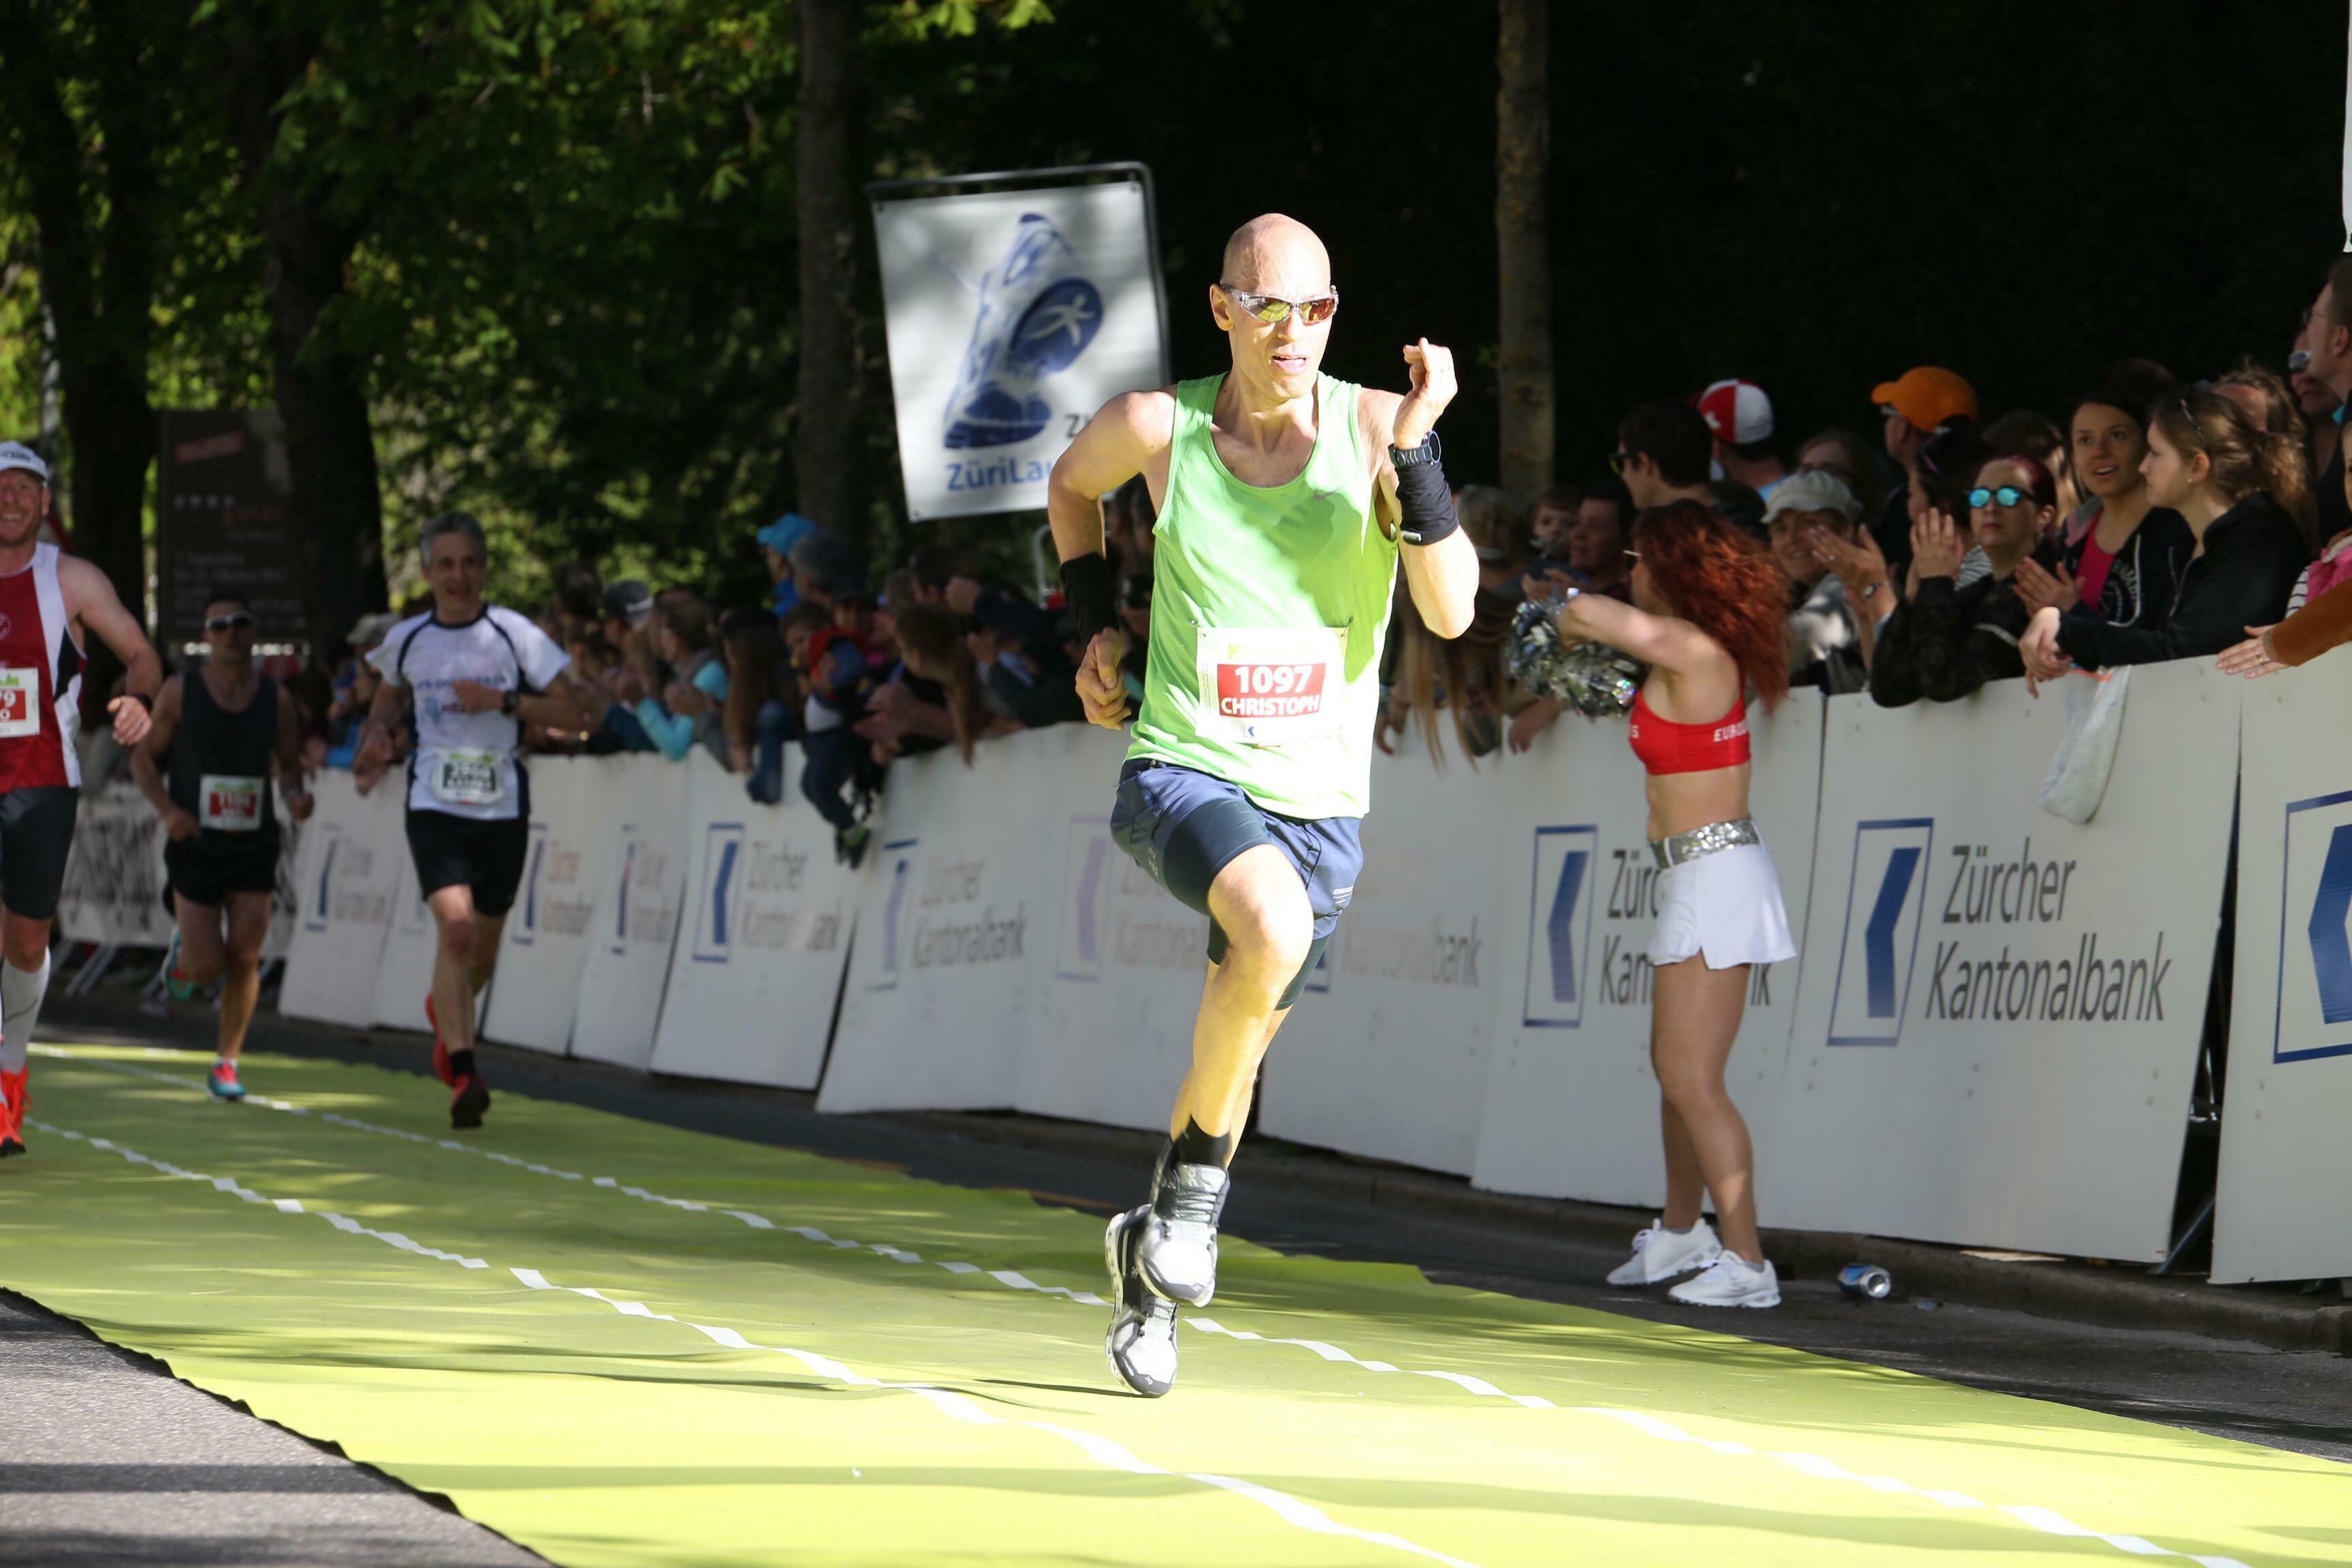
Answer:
(1123, 439)
(144, 756)
(378, 739)
(1442, 578)
(296, 786)
(92, 606)
(564, 705)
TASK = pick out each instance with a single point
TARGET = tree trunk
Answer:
(1523, 245)
(828, 439)
(98, 266)
(335, 501)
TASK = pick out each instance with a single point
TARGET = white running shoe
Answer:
(1177, 1252)
(1141, 1343)
(1660, 1254)
(1731, 1281)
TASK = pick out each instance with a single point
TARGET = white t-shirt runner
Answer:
(464, 763)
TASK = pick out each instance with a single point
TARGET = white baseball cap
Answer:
(16, 455)
(1737, 412)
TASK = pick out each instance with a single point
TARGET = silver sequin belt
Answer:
(1676, 848)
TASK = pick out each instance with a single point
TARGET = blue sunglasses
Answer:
(2008, 495)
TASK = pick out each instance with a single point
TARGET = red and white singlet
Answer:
(40, 679)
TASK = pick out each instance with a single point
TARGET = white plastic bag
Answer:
(2077, 780)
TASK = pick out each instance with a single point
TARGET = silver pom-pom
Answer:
(1593, 678)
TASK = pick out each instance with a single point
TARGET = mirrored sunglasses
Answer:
(1273, 309)
(228, 623)
(2008, 495)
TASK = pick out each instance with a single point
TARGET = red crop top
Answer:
(1666, 747)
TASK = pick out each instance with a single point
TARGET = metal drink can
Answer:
(1866, 1281)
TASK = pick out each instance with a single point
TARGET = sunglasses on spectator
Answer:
(1273, 309)
(2008, 495)
(1619, 461)
(228, 623)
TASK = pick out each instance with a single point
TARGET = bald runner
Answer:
(1287, 501)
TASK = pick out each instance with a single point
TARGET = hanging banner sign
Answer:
(1011, 317)
(223, 524)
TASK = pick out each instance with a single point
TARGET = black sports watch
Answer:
(510, 700)
(1430, 451)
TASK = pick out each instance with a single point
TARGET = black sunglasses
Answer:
(229, 622)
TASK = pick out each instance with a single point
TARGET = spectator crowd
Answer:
(2160, 517)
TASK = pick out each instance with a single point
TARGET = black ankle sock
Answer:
(460, 1063)
(1194, 1147)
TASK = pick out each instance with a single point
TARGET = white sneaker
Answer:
(1660, 1254)
(1731, 1281)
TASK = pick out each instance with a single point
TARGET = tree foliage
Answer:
(570, 282)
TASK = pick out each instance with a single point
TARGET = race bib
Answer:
(228, 804)
(469, 778)
(20, 703)
(1271, 686)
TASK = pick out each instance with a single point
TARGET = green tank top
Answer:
(1268, 610)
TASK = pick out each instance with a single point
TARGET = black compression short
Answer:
(453, 851)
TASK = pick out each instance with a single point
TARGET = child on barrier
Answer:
(837, 677)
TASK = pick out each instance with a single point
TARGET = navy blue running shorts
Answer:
(1183, 826)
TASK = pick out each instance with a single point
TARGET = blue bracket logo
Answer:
(1560, 926)
(2315, 983)
(715, 913)
(1886, 897)
(902, 872)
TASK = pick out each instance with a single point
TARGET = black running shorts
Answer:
(453, 851)
(206, 871)
(37, 829)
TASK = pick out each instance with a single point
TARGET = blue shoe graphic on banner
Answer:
(1038, 315)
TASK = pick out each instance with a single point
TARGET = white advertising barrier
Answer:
(2282, 1211)
(940, 1000)
(1386, 1053)
(636, 919)
(574, 803)
(1118, 962)
(113, 887)
(757, 962)
(1570, 1101)
(354, 855)
(1998, 1020)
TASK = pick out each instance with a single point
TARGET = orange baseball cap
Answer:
(1928, 397)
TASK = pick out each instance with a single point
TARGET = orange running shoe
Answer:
(12, 1112)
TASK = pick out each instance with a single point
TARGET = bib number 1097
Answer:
(1271, 686)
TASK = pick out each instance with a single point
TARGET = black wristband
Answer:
(1427, 502)
(1090, 594)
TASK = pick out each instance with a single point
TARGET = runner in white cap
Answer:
(473, 675)
(49, 603)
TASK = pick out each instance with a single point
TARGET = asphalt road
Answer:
(108, 1460)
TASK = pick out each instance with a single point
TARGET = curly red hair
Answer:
(1723, 582)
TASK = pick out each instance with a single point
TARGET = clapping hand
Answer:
(2041, 588)
(1937, 544)
(1858, 562)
